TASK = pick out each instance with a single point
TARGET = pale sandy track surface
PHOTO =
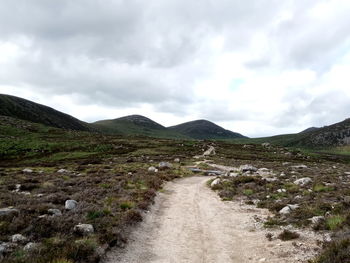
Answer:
(189, 223)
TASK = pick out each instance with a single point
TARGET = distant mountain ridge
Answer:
(30, 111)
(203, 129)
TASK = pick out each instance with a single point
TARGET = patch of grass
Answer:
(127, 205)
(248, 192)
(288, 235)
(62, 261)
(272, 222)
(322, 188)
(334, 222)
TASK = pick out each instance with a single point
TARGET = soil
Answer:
(190, 223)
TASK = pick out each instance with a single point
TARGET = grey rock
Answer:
(165, 165)
(8, 211)
(317, 219)
(84, 229)
(18, 238)
(299, 167)
(303, 181)
(63, 171)
(287, 209)
(347, 199)
(177, 160)
(247, 168)
(71, 204)
(54, 212)
(266, 144)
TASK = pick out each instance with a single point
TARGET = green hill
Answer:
(203, 129)
(136, 125)
(23, 109)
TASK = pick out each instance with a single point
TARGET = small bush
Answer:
(288, 235)
(61, 261)
(127, 205)
(336, 252)
(334, 222)
(248, 192)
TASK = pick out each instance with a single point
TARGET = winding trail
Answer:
(189, 223)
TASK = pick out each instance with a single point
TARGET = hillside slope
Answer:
(203, 129)
(19, 108)
(136, 125)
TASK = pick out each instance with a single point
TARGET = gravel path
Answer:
(189, 223)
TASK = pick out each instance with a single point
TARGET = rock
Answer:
(62, 171)
(27, 170)
(84, 229)
(54, 212)
(18, 238)
(282, 174)
(347, 173)
(317, 219)
(177, 160)
(233, 174)
(30, 246)
(215, 182)
(247, 168)
(299, 167)
(165, 165)
(281, 190)
(8, 211)
(287, 209)
(266, 144)
(5, 248)
(71, 204)
(247, 146)
(303, 181)
(270, 179)
(152, 169)
(347, 199)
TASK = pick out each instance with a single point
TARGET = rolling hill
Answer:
(23, 109)
(203, 129)
(136, 125)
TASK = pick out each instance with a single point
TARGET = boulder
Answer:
(177, 160)
(232, 174)
(18, 238)
(54, 212)
(303, 181)
(266, 144)
(8, 211)
(71, 204)
(215, 182)
(84, 229)
(299, 167)
(247, 168)
(30, 246)
(317, 220)
(281, 190)
(152, 169)
(287, 209)
(62, 171)
(27, 170)
(165, 165)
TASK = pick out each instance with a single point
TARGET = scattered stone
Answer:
(299, 167)
(177, 160)
(30, 246)
(84, 229)
(71, 204)
(63, 171)
(247, 168)
(303, 181)
(215, 182)
(266, 144)
(165, 165)
(18, 238)
(233, 174)
(54, 212)
(8, 211)
(281, 190)
(152, 169)
(27, 170)
(317, 220)
(287, 209)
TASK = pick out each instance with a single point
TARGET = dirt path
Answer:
(189, 223)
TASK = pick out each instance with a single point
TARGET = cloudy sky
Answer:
(258, 67)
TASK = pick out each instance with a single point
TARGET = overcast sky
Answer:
(258, 67)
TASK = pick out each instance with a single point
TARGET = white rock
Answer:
(177, 160)
(152, 169)
(54, 212)
(233, 174)
(63, 171)
(84, 229)
(215, 182)
(282, 174)
(18, 238)
(30, 246)
(27, 170)
(266, 144)
(287, 209)
(71, 204)
(303, 181)
(281, 190)
(165, 165)
(317, 219)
